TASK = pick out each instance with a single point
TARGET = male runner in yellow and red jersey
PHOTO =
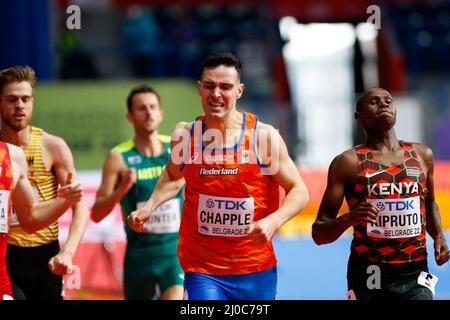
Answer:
(233, 166)
(388, 185)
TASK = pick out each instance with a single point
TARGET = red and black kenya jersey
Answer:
(399, 192)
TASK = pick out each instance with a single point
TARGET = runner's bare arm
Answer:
(117, 179)
(171, 180)
(433, 217)
(35, 216)
(62, 164)
(328, 227)
(288, 177)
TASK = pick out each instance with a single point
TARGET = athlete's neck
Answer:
(19, 138)
(229, 130)
(149, 145)
(232, 121)
(383, 141)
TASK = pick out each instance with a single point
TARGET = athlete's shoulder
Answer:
(116, 154)
(267, 131)
(345, 162)
(264, 126)
(56, 149)
(115, 160)
(164, 138)
(52, 141)
(15, 152)
(348, 155)
(123, 146)
(18, 161)
(420, 147)
(423, 151)
(184, 125)
(181, 130)
(17, 157)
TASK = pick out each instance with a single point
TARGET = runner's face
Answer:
(146, 114)
(378, 111)
(16, 105)
(219, 89)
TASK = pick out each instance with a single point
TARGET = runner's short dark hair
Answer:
(141, 89)
(222, 59)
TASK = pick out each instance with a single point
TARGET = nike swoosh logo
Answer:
(370, 175)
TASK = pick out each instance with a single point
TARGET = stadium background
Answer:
(84, 77)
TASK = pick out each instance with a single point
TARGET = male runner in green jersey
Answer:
(130, 173)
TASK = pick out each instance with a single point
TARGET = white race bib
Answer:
(398, 218)
(165, 219)
(4, 197)
(428, 280)
(223, 216)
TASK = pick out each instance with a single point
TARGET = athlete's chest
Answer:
(147, 168)
(399, 181)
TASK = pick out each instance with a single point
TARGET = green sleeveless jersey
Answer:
(160, 235)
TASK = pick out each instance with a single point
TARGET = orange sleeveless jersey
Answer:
(225, 192)
(6, 187)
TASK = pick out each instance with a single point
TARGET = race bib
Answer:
(165, 219)
(428, 280)
(398, 218)
(223, 216)
(4, 197)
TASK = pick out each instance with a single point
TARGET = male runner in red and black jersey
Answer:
(388, 186)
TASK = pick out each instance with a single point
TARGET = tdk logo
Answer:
(226, 204)
(210, 203)
(400, 205)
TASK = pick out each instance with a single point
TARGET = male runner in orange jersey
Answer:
(35, 261)
(388, 185)
(14, 185)
(233, 166)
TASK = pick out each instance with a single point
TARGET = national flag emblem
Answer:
(134, 159)
(412, 172)
(245, 156)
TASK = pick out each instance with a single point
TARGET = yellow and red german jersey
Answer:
(399, 192)
(6, 187)
(226, 191)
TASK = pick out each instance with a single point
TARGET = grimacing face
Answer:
(16, 105)
(378, 110)
(219, 89)
(146, 114)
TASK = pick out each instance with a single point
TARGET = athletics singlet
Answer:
(44, 186)
(151, 256)
(399, 192)
(6, 187)
(225, 193)
(160, 235)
